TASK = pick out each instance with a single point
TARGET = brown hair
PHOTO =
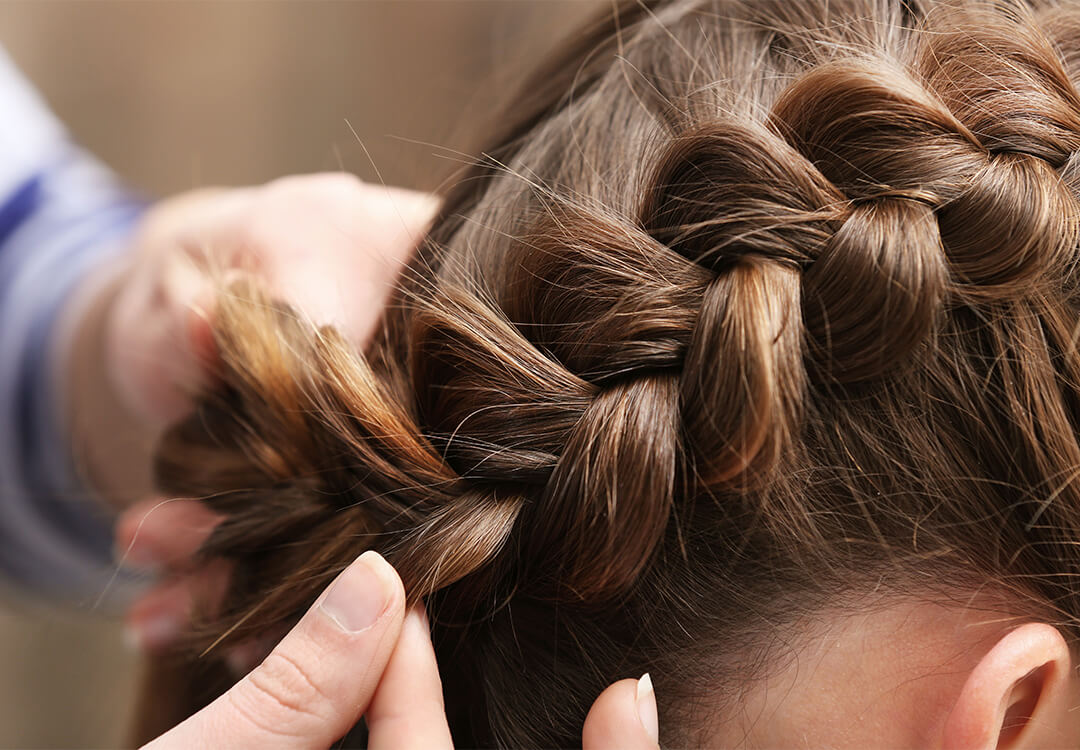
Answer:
(756, 306)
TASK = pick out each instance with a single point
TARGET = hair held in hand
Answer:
(750, 308)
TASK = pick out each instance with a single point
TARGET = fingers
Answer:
(157, 620)
(407, 711)
(158, 344)
(156, 338)
(163, 533)
(623, 718)
(365, 233)
(329, 244)
(319, 680)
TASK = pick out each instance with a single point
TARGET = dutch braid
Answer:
(727, 334)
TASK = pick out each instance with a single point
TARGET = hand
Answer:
(356, 652)
(329, 244)
(135, 336)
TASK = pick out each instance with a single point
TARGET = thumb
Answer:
(312, 688)
(623, 718)
(159, 341)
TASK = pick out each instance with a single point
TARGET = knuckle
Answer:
(322, 184)
(336, 182)
(282, 699)
(286, 199)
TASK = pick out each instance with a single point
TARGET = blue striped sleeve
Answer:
(62, 214)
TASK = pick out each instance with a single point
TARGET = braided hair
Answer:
(755, 306)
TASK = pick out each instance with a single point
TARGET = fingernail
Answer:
(152, 633)
(646, 707)
(359, 595)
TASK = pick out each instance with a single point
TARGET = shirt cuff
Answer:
(58, 225)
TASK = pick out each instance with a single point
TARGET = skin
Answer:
(136, 345)
(358, 653)
(906, 674)
(915, 674)
(136, 342)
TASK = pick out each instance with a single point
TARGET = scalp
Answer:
(760, 301)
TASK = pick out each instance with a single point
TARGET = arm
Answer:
(62, 215)
(99, 301)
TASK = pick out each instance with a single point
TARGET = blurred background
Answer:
(182, 94)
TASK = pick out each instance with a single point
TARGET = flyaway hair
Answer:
(752, 307)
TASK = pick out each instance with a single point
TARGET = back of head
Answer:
(759, 306)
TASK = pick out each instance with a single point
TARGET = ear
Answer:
(1017, 696)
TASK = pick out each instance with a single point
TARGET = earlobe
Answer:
(1017, 696)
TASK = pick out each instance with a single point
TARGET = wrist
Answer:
(111, 447)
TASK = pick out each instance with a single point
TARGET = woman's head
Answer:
(755, 329)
